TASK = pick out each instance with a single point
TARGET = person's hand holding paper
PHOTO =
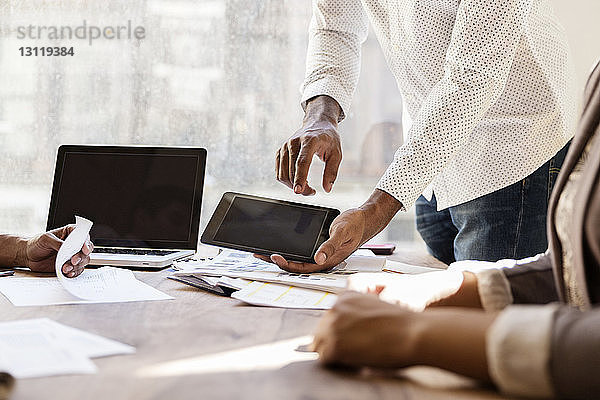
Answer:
(40, 252)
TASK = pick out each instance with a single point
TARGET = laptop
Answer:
(144, 201)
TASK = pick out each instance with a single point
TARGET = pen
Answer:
(6, 273)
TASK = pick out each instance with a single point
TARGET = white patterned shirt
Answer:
(488, 84)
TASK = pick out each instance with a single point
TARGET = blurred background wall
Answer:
(581, 19)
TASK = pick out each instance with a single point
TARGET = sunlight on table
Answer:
(268, 356)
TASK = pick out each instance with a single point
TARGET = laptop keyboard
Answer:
(136, 252)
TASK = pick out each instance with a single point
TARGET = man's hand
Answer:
(361, 330)
(347, 233)
(318, 135)
(39, 252)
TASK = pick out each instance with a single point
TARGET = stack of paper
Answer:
(237, 264)
(103, 285)
(42, 347)
(268, 285)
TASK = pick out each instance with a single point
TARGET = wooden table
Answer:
(202, 346)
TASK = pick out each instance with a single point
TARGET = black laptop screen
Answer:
(134, 200)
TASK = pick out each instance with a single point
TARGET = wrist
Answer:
(14, 251)
(322, 108)
(466, 296)
(379, 209)
(21, 252)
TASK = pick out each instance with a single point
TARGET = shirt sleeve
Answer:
(337, 30)
(482, 47)
(575, 353)
(545, 351)
(518, 350)
(505, 282)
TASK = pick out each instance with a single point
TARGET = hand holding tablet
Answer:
(294, 231)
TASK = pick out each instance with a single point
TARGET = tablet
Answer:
(268, 226)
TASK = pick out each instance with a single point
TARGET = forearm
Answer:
(466, 296)
(12, 251)
(333, 54)
(379, 210)
(453, 339)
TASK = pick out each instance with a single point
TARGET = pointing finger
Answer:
(332, 165)
(307, 151)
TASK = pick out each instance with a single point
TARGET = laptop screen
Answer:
(136, 196)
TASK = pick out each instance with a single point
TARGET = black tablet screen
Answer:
(271, 226)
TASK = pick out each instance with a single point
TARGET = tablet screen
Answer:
(271, 226)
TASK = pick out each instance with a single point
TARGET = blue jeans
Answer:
(508, 223)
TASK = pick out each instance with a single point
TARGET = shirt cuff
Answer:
(518, 350)
(494, 290)
(328, 86)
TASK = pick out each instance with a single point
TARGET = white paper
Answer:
(274, 295)
(360, 261)
(43, 347)
(29, 353)
(71, 246)
(32, 354)
(82, 342)
(403, 268)
(103, 285)
(233, 283)
(243, 265)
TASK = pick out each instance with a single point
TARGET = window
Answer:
(220, 74)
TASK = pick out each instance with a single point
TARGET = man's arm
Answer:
(473, 284)
(39, 252)
(337, 30)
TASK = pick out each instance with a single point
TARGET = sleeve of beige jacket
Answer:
(575, 353)
(532, 282)
(526, 281)
(337, 31)
(543, 351)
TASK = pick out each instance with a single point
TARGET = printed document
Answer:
(237, 264)
(285, 296)
(42, 347)
(103, 285)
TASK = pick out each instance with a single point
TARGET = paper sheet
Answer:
(104, 285)
(29, 354)
(82, 342)
(238, 264)
(71, 246)
(42, 347)
(274, 295)
(360, 261)
(403, 268)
